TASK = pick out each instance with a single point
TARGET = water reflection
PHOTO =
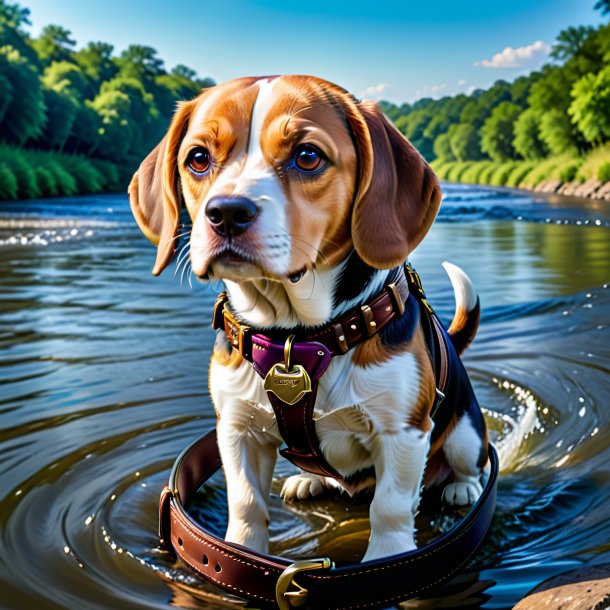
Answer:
(103, 377)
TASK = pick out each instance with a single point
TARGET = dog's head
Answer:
(279, 174)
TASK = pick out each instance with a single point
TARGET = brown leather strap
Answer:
(296, 426)
(374, 584)
(434, 336)
(443, 357)
(355, 326)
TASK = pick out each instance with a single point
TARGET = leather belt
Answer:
(275, 582)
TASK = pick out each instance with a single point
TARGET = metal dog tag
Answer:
(288, 386)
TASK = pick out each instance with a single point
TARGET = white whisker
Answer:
(183, 270)
(182, 256)
(180, 235)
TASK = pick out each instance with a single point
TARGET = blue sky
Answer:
(377, 49)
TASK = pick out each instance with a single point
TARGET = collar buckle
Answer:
(291, 599)
(218, 315)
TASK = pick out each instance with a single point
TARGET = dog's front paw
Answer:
(301, 487)
(463, 493)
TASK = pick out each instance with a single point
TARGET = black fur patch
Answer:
(354, 279)
(400, 330)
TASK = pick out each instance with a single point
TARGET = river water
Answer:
(103, 381)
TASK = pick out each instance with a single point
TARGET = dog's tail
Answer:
(467, 308)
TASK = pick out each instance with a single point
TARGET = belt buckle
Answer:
(289, 599)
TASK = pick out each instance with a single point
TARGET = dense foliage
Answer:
(87, 117)
(561, 111)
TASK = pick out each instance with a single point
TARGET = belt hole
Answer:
(205, 560)
(180, 543)
(218, 568)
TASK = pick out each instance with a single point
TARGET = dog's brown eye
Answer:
(198, 160)
(308, 158)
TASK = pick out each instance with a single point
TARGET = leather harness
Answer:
(291, 371)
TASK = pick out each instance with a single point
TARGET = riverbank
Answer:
(31, 174)
(586, 177)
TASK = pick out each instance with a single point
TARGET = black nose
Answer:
(230, 216)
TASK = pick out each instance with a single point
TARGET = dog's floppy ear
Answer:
(397, 194)
(154, 191)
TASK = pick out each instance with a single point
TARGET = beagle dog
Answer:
(306, 203)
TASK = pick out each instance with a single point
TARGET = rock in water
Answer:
(583, 589)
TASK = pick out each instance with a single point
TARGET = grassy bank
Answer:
(28, 174)
(582, 175)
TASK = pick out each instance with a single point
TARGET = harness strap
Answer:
(434, 336)
(296, 425)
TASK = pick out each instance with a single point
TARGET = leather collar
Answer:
(275, 582)
(338, 337)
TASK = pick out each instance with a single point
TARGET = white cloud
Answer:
(462, 82)
(374, 93)
(433, 91)
(521, 57)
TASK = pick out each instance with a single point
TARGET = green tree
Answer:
(65, 87)
(61, 114)
(437, 125)
(528, 142)
(590, 108)
(25, 114)
(67, 78)
(145, 122)
(6, 95)
(472, 113)
(557, 132)
(521, 87)
(54, 44)
(13, 15)
(413, 126)
(13, 18)
(95, 60)
(140, 62)
(550, 90)
(393, 111)
(442, 148)
(180, 84)
(490, 99)
(497, 133)
(84, 137)
(570, 41)
(603, 6)
(116, 133)
(465, 142)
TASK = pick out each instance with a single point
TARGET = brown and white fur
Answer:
(320, 243)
